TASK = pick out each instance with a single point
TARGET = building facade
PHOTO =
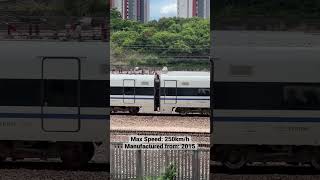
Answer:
(138, 10)
(193, 8)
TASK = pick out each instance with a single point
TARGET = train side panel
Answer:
(185, 93)
(133, 91)
(21, 110)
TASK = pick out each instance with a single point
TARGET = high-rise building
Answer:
(118, 4)
(138, 10)
(192, 8)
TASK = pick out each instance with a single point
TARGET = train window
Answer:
(144, 91)
(128, 90)
(193, 92)
(61, 93)
(248, 95)
(11, 93)
(170, 91)
(302, 97)
(203, 92)
(263, 96)
(94, 93)
(116, 90)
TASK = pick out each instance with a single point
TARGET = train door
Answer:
(170, 92)
(129, 91)
(60, 94)
(157, 93)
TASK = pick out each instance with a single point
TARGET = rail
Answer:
(137, 164)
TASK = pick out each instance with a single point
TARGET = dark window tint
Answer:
(193, 91)
(94, 93)
(203, 92)
(266, 96)
(187, 92)
(116, 90)
(247, 95)
(169, 92)
(302, 97)
(61, 93)
(144, 91)
(19, 92)
(129, 90)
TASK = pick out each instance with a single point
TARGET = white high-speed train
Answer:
(53, 100)
(169, 92)
(266, 98)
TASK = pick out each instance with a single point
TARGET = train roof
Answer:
(146, 77)
(140, 80)
(23, 59)
(186, 73)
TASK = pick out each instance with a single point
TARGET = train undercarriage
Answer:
(74, 155)
(184, 111)
(238, 156)
(187, 110)
(131, 110)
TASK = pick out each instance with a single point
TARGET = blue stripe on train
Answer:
(266, 119)
(52, 116)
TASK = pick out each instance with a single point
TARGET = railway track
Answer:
(158, 114)
(159, 133)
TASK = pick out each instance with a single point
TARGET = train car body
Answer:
(266, 99)
(185, 92)
(132, 93)
(167, 93)
(53, 95)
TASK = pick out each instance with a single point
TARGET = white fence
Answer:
(140, 164)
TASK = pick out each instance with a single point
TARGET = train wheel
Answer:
(315, 161)
(235, 159)
(73, 155)
(205, 112)
(183, 113)
(133, 111)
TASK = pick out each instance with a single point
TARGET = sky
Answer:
(162, 8)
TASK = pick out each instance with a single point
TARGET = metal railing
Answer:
(140, 164)
(135, 70)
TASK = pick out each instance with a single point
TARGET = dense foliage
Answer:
(160, 43)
